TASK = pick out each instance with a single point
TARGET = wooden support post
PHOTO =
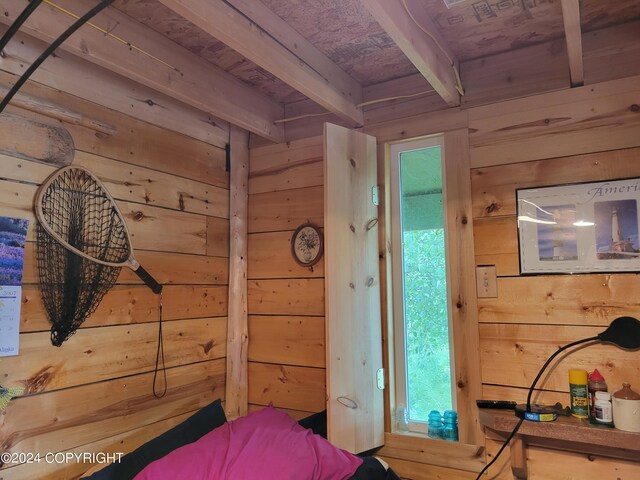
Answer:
(519, 458)
(237, 329)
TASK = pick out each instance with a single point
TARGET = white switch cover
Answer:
(486, 282)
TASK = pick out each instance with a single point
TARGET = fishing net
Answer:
(77, 210)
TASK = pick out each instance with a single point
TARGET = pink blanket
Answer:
(264, 445)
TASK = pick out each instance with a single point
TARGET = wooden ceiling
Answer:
(251, 61)
(347, 33)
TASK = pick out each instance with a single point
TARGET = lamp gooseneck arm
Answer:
(544, 367)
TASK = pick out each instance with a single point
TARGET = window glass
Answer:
(425, 319)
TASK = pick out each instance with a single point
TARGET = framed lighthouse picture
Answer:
(579, 228)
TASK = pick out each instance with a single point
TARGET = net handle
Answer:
(148, 279)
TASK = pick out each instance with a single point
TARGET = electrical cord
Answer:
(15, 26)
(50, 49)
(504, 445)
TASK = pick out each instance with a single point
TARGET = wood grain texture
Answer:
(271, 258)
(35, 141)
(352, 291)
(247, 32)
(428, 52)
(135, 142)
(98, 385)
(420, 449)
(286, 209)
(561, 299)
(513, 354)
(89, 357)
(584, 120)
(297, 388)
(122, 305)
(573, 37)
(411, 470)
(530, 70)
(286, 166)
(287, 340)
(549, 464)
(503, 253)
(194, 301)
(462, 307)
(124, 442)
(286, 297)
(70, 418)
(217, 237)
(295, 414)
(494, 188)
(159, 189)
(183, 75)
(238, 330)
(79, 78)
(167, 267)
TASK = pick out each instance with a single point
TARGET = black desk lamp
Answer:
(623, 332)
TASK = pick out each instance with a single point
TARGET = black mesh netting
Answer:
(77, 209)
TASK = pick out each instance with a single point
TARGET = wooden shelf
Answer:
(566, 433)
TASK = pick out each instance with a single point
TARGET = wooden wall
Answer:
(286, 301)
(516, 144)
(582, 134)
(94, 394)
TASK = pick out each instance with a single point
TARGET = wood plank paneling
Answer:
(95, 392)
(217, 237)
(561, 299)
(515, 73)
(295, 414)
(286, 297)
(582, 120)
(168, 268)
(272, 258)
(286, 210)
(494, 188)
(73, 417)
(419, 449)
(123, 442)
(297, 388)
(502, 253)
(142, 185)
(88, 355)
(122, 305)
(513, 354)
(135, 142)
(548, 464)
(411, 470)
(287, 340)
(194, 301)
(286, 166)
(110, 90)
(286, 322)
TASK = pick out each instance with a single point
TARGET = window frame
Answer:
(397, 273)
(464, 303)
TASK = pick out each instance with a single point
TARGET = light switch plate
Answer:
(486, 281)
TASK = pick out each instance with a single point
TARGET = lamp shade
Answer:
(623, 332)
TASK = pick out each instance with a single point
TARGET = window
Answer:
(423, 357)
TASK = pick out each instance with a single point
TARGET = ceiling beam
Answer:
(258, 34)
(151, 59)
(573, 35)
(427, 51)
